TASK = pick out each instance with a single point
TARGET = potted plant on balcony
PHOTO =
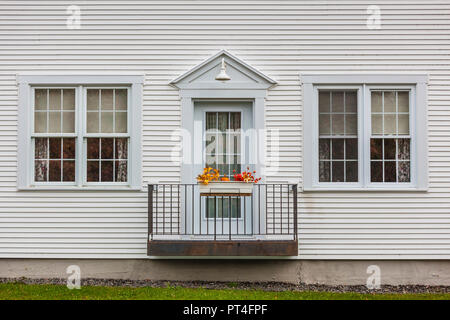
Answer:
(211, 182)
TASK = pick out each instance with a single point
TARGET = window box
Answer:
(227, 187)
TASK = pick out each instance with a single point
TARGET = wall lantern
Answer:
(223, 76)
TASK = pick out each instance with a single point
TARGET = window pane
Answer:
(69, 99)
(54, 173)
(40, 99)
(337, 101)
(324, 171)
(54, 102)
(121, 122)
(377, 124)
(69, 148)
(107, 171)
(235, 120)
(69, 171)
(121, 148)
(376, 171)
(210, 143)
(324, 101)
(337, 147)
(93, 148)
(107, 122)
(211, 122)
(376, 101)
(324, 149)
(389, 149)
(92, 122)
(68, 122)
(351, 102)
(338, 171)
(376, 149)
(55, 148)
(324, 124)
(403, 149)
(107, 99)
(40, 148)
(351, 171)
(403, 101)
(54, 122)
(403, 124)
(40, 122)
(351, 149)
(390, 174)
(92, 99)
(404, 171)
(222, 143)
(121, 99)
(40, 171)
(235, 143)
(121, 171)
(107, 148)
(390, 125)
(93, 171)
(389, 101)
(351, 125)
(337, 124)
(223, 121)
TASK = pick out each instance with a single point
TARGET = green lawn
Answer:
(49, 292)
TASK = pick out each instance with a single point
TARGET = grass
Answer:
(20, 291)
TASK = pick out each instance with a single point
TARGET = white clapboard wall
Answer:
(163, 39)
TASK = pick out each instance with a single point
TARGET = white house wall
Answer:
(163, 39)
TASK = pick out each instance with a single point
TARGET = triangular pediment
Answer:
(242, 75)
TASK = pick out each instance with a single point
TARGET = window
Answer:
(80, 134)
(107, 135)
(338, 136)
(223, 152)
(54, 135)
(364, 136)
(390, 141)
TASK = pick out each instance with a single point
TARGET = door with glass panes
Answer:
(225, 146)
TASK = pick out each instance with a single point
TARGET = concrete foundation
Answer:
(335, 272)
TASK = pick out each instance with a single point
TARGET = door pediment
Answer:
(242, 75)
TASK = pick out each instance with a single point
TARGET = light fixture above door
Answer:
(223, 76)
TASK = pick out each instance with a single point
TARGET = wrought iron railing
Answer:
(180, 211)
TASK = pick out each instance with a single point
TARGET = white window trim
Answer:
(25, 170)
(418, 129)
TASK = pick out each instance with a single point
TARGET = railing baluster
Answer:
(281, 208)
(229, 217)
(150, 212)
(193, 210)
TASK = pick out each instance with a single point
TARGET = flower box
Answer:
(226, 187)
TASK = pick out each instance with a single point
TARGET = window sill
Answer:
(82, 188)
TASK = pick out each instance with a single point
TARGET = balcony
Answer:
(183, 221)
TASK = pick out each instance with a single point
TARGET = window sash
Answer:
(80, 136)
(316, 136)
(412, 136)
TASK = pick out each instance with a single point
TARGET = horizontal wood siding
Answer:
(163, 39)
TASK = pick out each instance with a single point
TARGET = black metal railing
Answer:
(269, 211)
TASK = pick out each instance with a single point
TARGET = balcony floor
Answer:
(223, 248)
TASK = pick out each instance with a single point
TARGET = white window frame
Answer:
(27, 84)
(416, 84)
